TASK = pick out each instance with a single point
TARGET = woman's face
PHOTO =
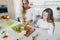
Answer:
(45, 15)
(25, 3)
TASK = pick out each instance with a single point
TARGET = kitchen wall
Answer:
(14, 6)
(40, 2)
(11, 12)
(17, 8)
(41, 5)
(3, 2)
(10, 6)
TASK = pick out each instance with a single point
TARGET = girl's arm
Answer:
(51, 29)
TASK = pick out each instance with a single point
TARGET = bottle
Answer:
(18, 19)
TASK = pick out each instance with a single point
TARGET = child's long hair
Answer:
(50, 18)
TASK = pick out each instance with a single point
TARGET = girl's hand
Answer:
(45, 28)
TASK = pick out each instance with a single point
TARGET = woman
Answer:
(47, 21)
(27, 12)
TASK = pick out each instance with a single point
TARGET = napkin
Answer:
(8, 24)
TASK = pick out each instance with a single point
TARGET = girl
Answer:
(47, 21)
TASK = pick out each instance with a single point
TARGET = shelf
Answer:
(52, 3)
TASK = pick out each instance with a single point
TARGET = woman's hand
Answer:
(29, 22)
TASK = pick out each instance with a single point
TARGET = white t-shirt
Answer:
(30, 14)
(45, 25)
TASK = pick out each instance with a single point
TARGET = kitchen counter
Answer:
(40, 35)
(12, 34)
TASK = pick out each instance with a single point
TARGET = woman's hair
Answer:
(23, 10)
(50, 18)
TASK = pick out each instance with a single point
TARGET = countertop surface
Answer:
(40, 35)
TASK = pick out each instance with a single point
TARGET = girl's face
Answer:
(45, 15)
(25, 3)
